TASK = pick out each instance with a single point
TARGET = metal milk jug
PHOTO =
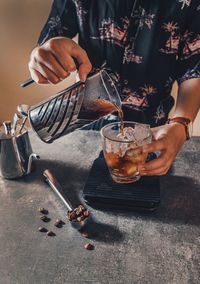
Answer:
(16, 155)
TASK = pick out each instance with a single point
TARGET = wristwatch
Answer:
(184, 121)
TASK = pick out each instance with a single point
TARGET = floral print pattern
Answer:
(185, 3)
(54, 24)
(142, 17)
(113, 32)
(160, 114)
(172, 44)
(139, 99)
(81, 12)
(191, 44)
(147, 44)
(130, 57)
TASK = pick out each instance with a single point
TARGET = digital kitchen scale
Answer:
(101, 192)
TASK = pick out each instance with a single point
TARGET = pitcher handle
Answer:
(31, 157)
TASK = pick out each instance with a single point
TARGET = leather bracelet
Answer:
(184, 121)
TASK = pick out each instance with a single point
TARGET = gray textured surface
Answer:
(160, 247)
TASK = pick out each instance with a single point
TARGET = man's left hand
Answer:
(168, 140)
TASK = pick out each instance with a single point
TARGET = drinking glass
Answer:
(123, 153)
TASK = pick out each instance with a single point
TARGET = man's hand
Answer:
(168, 139)
(54, 60)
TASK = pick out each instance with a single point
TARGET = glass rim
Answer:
(122, 141)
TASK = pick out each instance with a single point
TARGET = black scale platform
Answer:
(101, 192)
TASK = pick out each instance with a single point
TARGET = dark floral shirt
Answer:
(149, 44)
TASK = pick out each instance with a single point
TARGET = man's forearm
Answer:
(188, 100)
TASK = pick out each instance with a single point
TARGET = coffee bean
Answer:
(79, 219)
(89, 246)
(44, 218)
(78, 212)
(82, 207)
(42, 229)
(85, 234)
(82, 218)
(71, 215)
(58, 223)
(51, 234)
(86, 213)
(43, 210)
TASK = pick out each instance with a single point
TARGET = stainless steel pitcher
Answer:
(75, 107)
(16, 155)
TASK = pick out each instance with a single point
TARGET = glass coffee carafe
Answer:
(75, 107)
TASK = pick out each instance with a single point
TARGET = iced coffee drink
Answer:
(123, 150)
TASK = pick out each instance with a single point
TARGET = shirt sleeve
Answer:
(62, 21)
(188, 63)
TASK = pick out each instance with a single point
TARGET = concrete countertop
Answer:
(159, 247)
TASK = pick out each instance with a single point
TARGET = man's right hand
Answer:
(55, 60)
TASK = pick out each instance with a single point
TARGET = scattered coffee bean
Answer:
(71, 215)
(43, 210)
(44, 218)
(79, 212)
(82, 207)
(89, 246)
(82, 218)
(50, 234)
(42, 229)
(79, 219)
(58, 223)
(86, 213)
(85, 234)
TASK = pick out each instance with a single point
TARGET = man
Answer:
(148, 44)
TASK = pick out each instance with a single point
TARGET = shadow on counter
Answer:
(180, 195)
(72, 180)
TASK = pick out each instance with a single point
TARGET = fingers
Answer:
(45, 72)
(66, 61)
(55, 60)
(157, 145)
(157, 172)
(66, 52)
(49, 60)
(159, 162)
(158, 166)
(168, 141)
(84, 63)
(37, 77)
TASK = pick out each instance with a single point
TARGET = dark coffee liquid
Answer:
(100, 108)
(96, 109)
(121, 116)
